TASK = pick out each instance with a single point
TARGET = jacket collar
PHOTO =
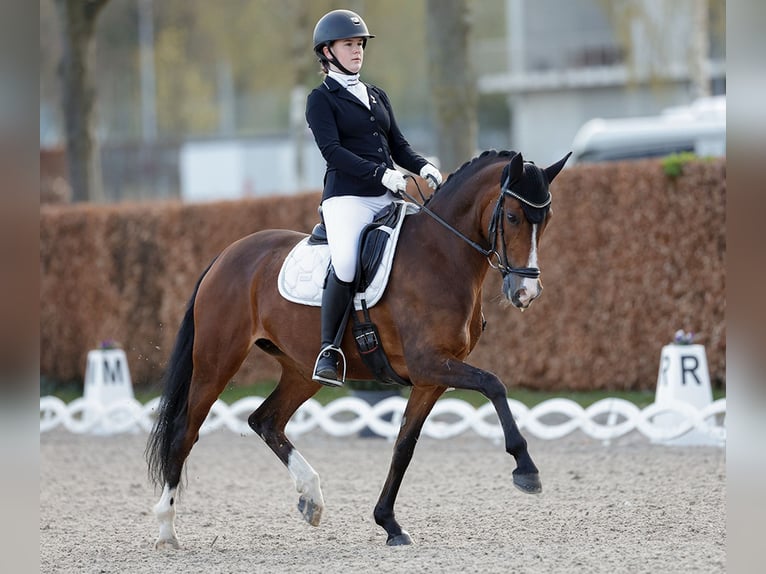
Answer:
(331, 84)
(334, 87)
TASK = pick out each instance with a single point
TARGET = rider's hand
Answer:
(394, 180)
(432, 175)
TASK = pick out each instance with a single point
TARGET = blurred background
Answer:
(152, 113)
(204, 100)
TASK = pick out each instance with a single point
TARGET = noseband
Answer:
(496, 228)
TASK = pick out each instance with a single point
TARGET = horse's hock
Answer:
(630, 257)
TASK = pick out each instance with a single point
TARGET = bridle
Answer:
(496, 229)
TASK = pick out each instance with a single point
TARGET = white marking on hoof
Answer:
(165, 511)
(161, 544)
(311, 501)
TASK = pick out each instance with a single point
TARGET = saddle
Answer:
(373, 241)
(365, 332)
(302, 276)
(306, 267)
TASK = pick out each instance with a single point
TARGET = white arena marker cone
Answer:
(683, 377)
(107, 381)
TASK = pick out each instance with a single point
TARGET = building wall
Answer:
(545, 123)
(567, 66)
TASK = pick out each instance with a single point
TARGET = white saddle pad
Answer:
(305, 267)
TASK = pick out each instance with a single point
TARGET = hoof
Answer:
(311, 511)
(167, 543)
(402, 539)
(528, 483)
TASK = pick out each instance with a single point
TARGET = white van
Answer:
(699, 128)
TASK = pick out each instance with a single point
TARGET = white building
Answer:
(567, 65)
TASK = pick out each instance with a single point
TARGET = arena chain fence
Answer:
(604, 420)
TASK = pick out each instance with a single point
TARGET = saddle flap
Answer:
(373, 241)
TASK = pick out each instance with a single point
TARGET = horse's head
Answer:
(517, 223)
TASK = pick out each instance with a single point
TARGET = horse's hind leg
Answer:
(208, 380)
(269, 421)
(204, 393)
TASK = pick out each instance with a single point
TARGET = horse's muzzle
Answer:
(522, 292)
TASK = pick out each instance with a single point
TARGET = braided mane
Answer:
(470, 167)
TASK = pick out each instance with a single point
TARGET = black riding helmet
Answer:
(337, 25)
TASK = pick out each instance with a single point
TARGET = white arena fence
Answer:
(604, 420)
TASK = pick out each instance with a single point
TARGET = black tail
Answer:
(171, 417)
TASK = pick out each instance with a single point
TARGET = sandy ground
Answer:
(628, 507)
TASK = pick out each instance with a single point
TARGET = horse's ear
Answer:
(553, 170)
(517, 167)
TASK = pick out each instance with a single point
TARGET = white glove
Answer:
(394, 180)
(432, 175)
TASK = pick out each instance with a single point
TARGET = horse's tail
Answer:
(171, 416)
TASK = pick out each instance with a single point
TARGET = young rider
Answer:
(354, 127)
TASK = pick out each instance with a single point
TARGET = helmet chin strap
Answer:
(334, 61)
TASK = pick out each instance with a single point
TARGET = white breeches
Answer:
(345, 217)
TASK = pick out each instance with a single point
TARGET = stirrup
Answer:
(323, 380)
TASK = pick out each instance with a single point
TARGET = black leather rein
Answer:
(495, 228)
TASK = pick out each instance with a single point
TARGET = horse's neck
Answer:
(450, 255)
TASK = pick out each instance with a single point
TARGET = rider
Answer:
(354, 127)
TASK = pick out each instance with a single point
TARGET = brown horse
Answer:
(429, 320)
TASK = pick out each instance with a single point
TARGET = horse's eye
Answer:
(512, 217)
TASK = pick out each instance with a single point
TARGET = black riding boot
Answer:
(335, 302)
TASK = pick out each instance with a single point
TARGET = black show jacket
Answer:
(357, 143)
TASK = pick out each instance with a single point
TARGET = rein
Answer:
(495, 227)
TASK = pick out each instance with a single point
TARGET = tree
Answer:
(453, 81)
(78, 20)
(649, 32)
(300, 33)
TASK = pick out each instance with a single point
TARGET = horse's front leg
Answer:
(526, 477)
(419, 405)
(460, 375)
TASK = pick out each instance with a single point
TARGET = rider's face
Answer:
(349, 52)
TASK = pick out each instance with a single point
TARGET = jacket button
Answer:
(380, 149)
(372, 118)
(374, 133)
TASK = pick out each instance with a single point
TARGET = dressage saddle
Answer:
(372, 246)
(372, 242)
